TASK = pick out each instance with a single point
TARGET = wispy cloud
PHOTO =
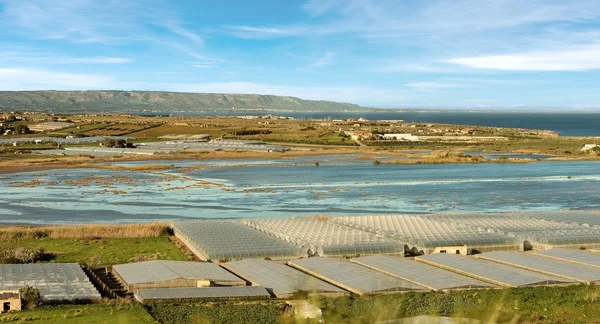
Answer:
(110, 22)
(27, 56)
(33, 79)
(175, 28)
(263, 32)
(430, 86)
(392, 18)
(578, 59)
(203, 64)
(323, 61)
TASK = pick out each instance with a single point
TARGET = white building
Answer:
(588, 147)
(400, 137)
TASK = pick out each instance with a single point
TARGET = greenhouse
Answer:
(589, 218)
(280, 279)
(211, 293)
(231, 240)
(173, 274)
(423, 235)
(353, 277)
(585, 238)
(502, 222)
(498, 274)
(553, 267)
(571, 255)
(420, 273)
(55, 281)
(324, 238)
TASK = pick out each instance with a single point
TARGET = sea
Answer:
(564, 123)
(340, 185)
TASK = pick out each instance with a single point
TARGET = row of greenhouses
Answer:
(341, 236)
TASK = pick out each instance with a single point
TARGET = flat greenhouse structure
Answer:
(420, 273)
(553, 267)
(280, 279)
(498, 274)
(210, 293)
(55, 281)
(353, 277)
(173, 274)
(572, 255)
(232, 240)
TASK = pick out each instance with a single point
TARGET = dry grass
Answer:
(86, 231)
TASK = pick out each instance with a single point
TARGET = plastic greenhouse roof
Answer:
(420, 273)
(162, 270)
(279, 278)
(233, 240)
(590, 218)
(352, 277)
(548, 266)
(208, 292)
(309, 231)
(425, 231)
(499, 274)
(572, 255)
(55, 281)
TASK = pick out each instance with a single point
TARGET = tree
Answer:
(109, 142)
(31, 297)
(22, 129)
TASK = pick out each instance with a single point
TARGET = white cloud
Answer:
(429, 86)
(184, 32)
(34, 79)
(110, 22)
(97, 60)
(54, 58)
(578, 59)
(392, 19)
(325, 60)
(263, 32)
(411, 67)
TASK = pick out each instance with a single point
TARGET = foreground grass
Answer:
(233, 313)
(572, 304)
(86, 231)
(100, 252)
(130, 313)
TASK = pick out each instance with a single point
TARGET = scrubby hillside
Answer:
(135, 101)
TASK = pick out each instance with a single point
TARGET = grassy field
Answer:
(126, 313)
(100, 252)
(572, 304)
(86, 231)
(227, 312)
(177, 130)
(80, 128)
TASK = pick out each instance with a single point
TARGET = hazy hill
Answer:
(157, 101)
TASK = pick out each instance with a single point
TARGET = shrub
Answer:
(31, 297)
(21, 255)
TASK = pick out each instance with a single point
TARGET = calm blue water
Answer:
(565, 123)
(279, 190)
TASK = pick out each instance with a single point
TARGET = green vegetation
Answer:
(23, 255)
(572, 304)
(31, 297)
(130, 313)
(245, 132)
(100, 252)
(214, 313)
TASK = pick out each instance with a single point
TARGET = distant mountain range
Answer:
(158, 101)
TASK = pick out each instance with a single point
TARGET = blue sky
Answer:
(486, 54)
